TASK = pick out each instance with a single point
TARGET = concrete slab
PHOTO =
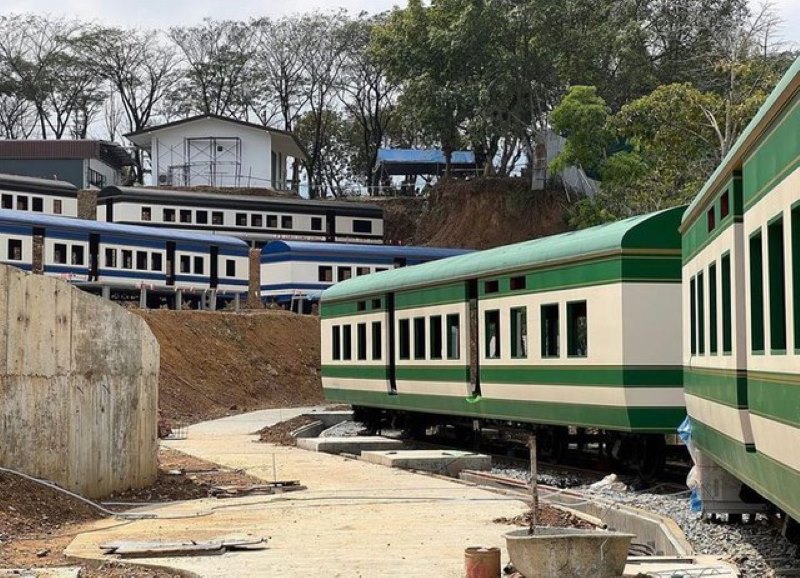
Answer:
(446, 462)
(348, 445)
(331, 418)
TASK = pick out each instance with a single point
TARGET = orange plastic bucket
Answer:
(482, 562)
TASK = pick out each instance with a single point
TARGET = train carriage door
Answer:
(214, 266)
(390, 344)
(474, 351)
(94, 257)
(170, 263)
(330, 226)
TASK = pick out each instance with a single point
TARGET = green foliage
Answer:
(583, 117)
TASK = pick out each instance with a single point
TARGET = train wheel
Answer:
(648, 456)
(551, 443)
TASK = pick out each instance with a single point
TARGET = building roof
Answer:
(655, 232)
(288, 139)
(71, 224)
(761, 122)
(244, 202)
(35, 185)
(356, 250)
(111, 153)
(422, 161)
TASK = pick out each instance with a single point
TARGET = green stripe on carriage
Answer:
(640, 419)
(727, 387)
(441, 295)
(349, 308)
(593, 375)
(356, 371)
(774, 480)
(775, 396)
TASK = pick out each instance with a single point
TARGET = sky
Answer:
(165, 13)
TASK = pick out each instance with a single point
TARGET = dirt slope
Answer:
(214, 364)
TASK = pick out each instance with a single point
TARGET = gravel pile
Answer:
(547, 475)
(345, 429)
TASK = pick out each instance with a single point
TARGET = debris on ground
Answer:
(129, 549)
(281, 433)
(278, 487)
(548, 516)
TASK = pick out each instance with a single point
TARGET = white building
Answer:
(215, 151)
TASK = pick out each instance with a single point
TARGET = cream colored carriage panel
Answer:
(777, 440)
(734, 423)
(441, 388)
(379, 385)
(651, 319)
(586, 395)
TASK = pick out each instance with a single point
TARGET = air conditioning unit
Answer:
(163, 179)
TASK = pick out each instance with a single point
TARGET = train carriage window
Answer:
(127, 259)
(777, 287)
(146, 214)
(141, 260)
(37, 203)
(711, 219)
(14, 250)
(550, 330)
(796, 274)
(77, 255)
(336, 339)
(361, 341)
(727, 314)
(22, 203)
(380, 269)
(419, 338)
(347, 345)
(344, 273)
(492, 334)
(169, 215)
(519, 332)
(701, 314)
(360, 271)
(693, 314)
(518, 283)
(217, 218)
(199, 265)
(186, 216)
(60, 254)
(756, 294)
(111, 257)
(8, 201)
(377, 341)
(272, 221)
(257, 221)
(404, 339)
(436, 336)
(241, 219)
(325, 274)
(362, 226)
(724, 205)
(491, 286)
(57, 206)
(713, 331)
(186, 264)
(453, 336)
(316, 223)
(156, 262)
(230, 268)
(376, 304)
(361, 306)
(577, 329)
(201, 217)
(286, 222)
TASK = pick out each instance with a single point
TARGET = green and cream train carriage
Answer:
(581, 329)
(741, 275)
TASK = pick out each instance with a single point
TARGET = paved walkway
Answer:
(355, 519)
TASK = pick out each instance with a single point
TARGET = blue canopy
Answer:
(422, 161)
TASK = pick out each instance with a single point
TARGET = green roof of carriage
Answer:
(654, 231)
(729, 163)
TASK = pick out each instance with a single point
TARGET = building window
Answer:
(550, 331)
(186, 216)
(492, 334)
(141, 260)
(701, 314)
(347, 347)
(15, 250)
(419, 338)
(325, 274)
(577, 329)
(710, 219)
(60, 254)
(201, 217)
(727, 314)
(436, 336)
(796, 275)
(404, 339)
(230, 268)
(96, 179)
(360, 271)
(57, 206)
(111, 258)
(453, 336)
(756, 294)
(517, 283)
(519, 332)
(169, 215)
(186, 264)
(286, 222)
(217, 218)
(361, 341)
(257, 221)
(37, 204)
(693, 314)
(146, 214)
(272, 221)
(22, 203)
(199, 265)
(377, 341)
(336, 338)
(241, 219)
(344, 273)
(713, 333)
(8, 201)
(724, 205)
(362, 226)
(157, 262)
(777, 287)
(491, 286)
(77, 255)
(316, 223)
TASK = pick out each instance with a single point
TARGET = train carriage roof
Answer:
(71, 224)
(359, 250)
(37, 185)
(655, 232)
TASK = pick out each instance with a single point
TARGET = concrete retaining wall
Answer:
(78, 387)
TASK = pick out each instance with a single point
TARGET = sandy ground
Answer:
(355, 519)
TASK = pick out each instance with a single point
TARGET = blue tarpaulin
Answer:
(422, 161)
